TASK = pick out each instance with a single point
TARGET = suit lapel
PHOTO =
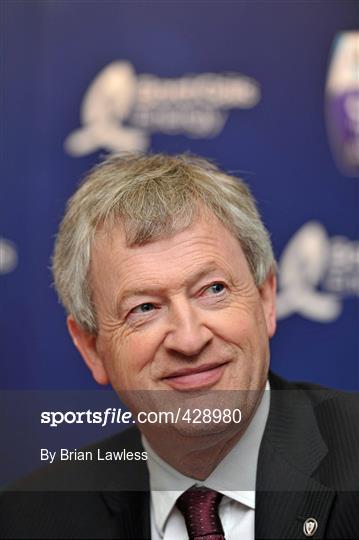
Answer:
(130, 514)
(287, 494)
(126, 492)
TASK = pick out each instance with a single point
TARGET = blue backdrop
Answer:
(266, 89)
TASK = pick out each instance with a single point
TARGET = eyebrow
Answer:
(134, 292)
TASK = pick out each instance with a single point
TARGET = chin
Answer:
(201, 431)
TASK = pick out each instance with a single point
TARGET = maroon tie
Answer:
(199, 507)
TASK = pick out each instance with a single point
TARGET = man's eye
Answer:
(216, 288)
(143, 308)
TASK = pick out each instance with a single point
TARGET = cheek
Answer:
(243, 330)
(232, 325)
(129, 359)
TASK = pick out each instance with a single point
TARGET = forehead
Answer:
(206, 244)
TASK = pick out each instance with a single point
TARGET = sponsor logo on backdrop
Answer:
(316, 273)
(120, 109)
(8, 256)
(342, 102)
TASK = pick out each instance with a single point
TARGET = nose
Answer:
(188, 334)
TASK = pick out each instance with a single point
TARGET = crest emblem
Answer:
(310, 527)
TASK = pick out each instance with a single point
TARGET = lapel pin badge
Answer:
(310, 526)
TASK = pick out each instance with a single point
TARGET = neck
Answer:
(195, 456)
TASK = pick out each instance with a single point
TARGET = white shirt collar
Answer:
(234, 476)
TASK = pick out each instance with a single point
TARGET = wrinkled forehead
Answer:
(203, 238)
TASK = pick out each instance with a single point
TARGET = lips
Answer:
(191, 379)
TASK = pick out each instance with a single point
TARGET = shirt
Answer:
(234, 477)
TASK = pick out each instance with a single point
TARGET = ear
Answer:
(267, 293)
(86, 344)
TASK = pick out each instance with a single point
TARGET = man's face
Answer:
(181, 314)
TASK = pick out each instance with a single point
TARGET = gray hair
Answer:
(153, 196)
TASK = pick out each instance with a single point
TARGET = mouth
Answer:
(192, 379)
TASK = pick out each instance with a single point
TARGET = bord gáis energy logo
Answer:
(315, 274)
(120, 110)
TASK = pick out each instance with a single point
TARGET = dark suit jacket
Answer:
(308, 467)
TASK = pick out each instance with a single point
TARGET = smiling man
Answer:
(178, 310)
(168, 278)
(180, 314)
